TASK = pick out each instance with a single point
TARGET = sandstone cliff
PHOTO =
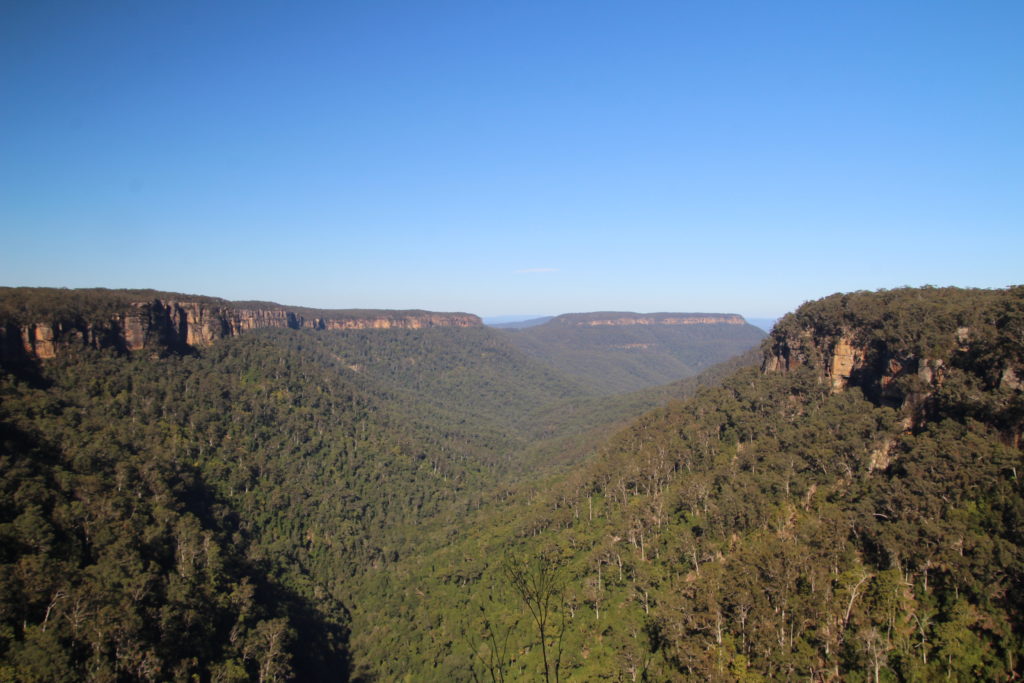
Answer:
(164, 324)
(927, 352)
(887, 376)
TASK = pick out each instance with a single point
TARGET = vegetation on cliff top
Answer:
(30, 305)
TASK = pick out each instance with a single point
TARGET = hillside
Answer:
(205, 507)
(613, 352)
(851, 512)
(432, 504)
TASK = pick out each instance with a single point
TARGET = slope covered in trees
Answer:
(205, 514)
(378, 505)
(620, 352)
(781, 525)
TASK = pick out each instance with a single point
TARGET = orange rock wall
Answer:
(188, 324)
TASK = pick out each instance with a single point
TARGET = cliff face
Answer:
(178, 326)
(886, 375)
(928, 353)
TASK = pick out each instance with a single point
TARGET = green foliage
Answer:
(30, 305)
(370, 505)
(222, 509)
(613, 359)
(108, 572)
(539, 584)
(770, 528)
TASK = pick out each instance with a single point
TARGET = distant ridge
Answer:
(613, 318)
(519, 324)
(619, 351)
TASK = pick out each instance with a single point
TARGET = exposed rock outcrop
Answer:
(946, 352)
(163, 325)
(886, 375)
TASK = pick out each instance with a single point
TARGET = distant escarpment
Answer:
(929, 352)
(38, 324)
(612, 352)
(616, 319)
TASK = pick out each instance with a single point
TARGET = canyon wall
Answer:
(887, 375)
(927, 353)
(178, 326)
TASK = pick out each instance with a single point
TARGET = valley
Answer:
(615, 352)
(198, 489)
(511, 342)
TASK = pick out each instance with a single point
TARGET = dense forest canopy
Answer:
(436, 505)
(615, 352)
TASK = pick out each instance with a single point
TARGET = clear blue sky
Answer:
(505, 157)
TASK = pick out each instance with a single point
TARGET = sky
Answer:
(526, 157)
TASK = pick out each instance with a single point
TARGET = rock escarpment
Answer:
(930, 353)
(169, 323)
(846, 359)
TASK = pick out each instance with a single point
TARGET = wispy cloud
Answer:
(537, 270)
